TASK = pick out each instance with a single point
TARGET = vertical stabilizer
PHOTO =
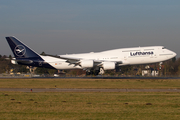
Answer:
(20, 50)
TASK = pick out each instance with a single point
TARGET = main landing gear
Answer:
(98, 71)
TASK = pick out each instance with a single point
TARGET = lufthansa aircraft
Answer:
(98, 61)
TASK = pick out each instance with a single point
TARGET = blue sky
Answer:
(78, 26)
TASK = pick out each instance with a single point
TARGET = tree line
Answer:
(168, 68)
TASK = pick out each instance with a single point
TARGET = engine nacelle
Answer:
(109, 65)
(87, 63)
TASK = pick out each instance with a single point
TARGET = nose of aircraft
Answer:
(171, 54)
(174, 54)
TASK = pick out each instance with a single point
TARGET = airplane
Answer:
(97, 61)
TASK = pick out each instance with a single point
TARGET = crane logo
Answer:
(19, 50)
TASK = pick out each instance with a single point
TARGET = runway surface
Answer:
(97, 77)
(85, 90)
(105, 77)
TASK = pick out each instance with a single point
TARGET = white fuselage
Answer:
(124, 56)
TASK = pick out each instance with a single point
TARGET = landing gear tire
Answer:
(101, 71)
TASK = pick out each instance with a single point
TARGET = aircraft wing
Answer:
(70, 58)
(77, 61)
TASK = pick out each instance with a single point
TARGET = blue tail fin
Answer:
(20, 50)
(25, 55)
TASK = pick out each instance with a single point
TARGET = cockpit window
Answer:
(163, 47)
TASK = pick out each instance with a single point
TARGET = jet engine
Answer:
(109, 65)
(87, 63)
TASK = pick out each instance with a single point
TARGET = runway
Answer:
(89, 77)
(106, 77)
(85, 90)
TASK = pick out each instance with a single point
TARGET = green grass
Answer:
(90, 83)
(88, 106)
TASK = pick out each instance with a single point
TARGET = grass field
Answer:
(90, 83)
(89, 105)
